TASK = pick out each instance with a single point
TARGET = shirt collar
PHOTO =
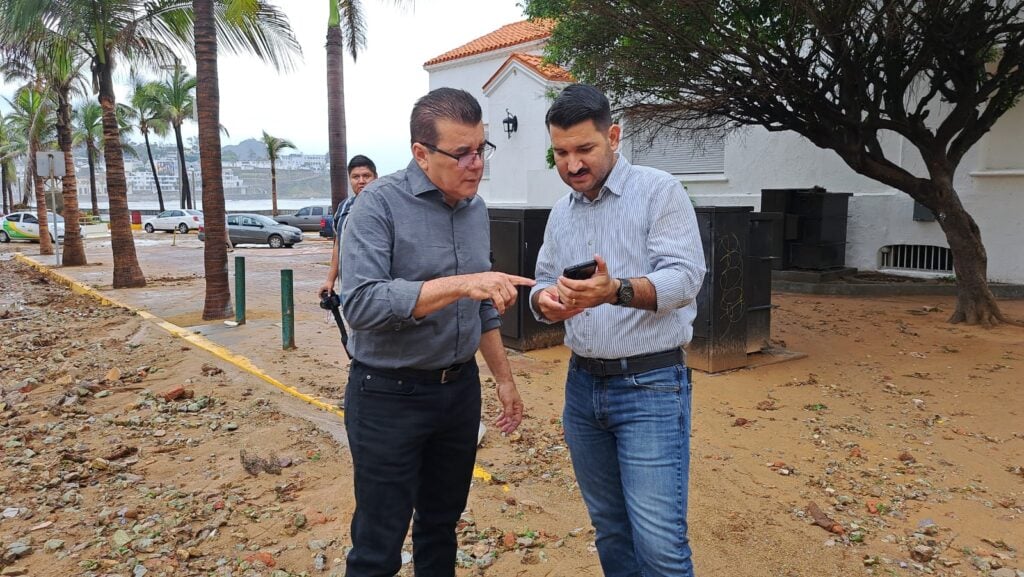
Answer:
(615, 183)
(420, 184)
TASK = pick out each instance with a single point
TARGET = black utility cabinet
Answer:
(814, 223)
(720, 329)
(516, 236)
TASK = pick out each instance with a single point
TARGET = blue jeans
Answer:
(629, 437)
(413, 447)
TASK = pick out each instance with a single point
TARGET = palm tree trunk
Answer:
(215, 255)
(152, 165)
(273, 188)
(4, 185)
(186, 191)
(74, 250)
(91, 149)
(127, 272)
(45, 246)
(336, 130)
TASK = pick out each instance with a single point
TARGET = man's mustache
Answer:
(580, 172)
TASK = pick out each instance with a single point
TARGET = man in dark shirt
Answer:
(361, 172)
(418, 292)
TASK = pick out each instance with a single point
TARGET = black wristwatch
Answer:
(625, 293)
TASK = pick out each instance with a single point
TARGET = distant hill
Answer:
(249, 149)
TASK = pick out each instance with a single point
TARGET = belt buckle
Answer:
(449, 374)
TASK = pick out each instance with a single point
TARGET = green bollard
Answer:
(287, 310)
(240, 290)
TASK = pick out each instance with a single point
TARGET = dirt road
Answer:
(122, 445)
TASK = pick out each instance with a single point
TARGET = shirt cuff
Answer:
(670, 290)
(403, 296)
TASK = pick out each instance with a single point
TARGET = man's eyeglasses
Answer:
(465, 160)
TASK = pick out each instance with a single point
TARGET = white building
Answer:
(503, 71)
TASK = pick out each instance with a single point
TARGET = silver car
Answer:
(259, 229)
(307, 217)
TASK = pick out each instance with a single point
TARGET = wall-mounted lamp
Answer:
(511, 123)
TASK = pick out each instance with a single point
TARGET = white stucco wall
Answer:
(878, 215)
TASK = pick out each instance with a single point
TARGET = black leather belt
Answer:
(442, 376)
(629, 365)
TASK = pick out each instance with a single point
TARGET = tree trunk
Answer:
(91, 149)
(975, 303)
(45, 246)
(336, 130)
(152, 165)
(4, 185)
(215, 255)
(273, 188)
(186, 192)
(74, 249)
(127, 272)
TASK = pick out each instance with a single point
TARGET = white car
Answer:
(25, 226)
(182, 220)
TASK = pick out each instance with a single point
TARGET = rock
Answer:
(54, 545)
(922, 553)
(17, 550)
(102, 394)
(121, 538)
(320, 561)
(907, 458)
(406, 557)
(981, 564)
(317, 545)
(13, 571)
(231, 427)
(113, 374)
(139, 570)
(299, 521)
(1004, 572)
(486, 561)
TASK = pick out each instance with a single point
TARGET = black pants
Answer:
(413, 447)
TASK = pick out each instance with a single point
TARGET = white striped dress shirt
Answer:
(643, 224)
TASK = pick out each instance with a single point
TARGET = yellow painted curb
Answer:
(202, 342)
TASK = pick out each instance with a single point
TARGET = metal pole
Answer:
(287, 310)
(53, 223)
(240, 290)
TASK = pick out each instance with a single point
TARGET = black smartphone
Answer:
(581, 271)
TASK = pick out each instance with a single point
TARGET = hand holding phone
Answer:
(581, 271)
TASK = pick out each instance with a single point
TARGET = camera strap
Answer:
(341, 326)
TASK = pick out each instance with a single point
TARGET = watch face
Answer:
(625, 292)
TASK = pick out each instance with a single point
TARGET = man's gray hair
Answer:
(442, 104)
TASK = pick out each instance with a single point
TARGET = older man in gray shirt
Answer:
(421, 300)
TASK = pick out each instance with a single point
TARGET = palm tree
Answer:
(177, 104)
(147, 115)
(347, 14)
(89, 129)
(270, 38)
(60, 65)
(32, 117)
(6, 165)
(274, 147)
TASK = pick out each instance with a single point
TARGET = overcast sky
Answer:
(380, 87)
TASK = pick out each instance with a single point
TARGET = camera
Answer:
(329, 300)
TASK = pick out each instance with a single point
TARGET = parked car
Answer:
(25, 226)
(327, 226)
(258, 229)
(182, 219)
(306, 218)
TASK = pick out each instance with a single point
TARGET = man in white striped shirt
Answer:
(628, 391)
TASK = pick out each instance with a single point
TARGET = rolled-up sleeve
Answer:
(371, 298)
(675, 249)
(489, 317)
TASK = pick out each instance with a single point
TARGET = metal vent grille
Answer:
(916, 257)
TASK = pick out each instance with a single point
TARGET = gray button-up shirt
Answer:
(643, 225)
(400, 234)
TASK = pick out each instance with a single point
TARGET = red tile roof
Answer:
(504, 37)
(552, 72)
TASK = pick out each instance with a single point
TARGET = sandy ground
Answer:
(906, 432)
